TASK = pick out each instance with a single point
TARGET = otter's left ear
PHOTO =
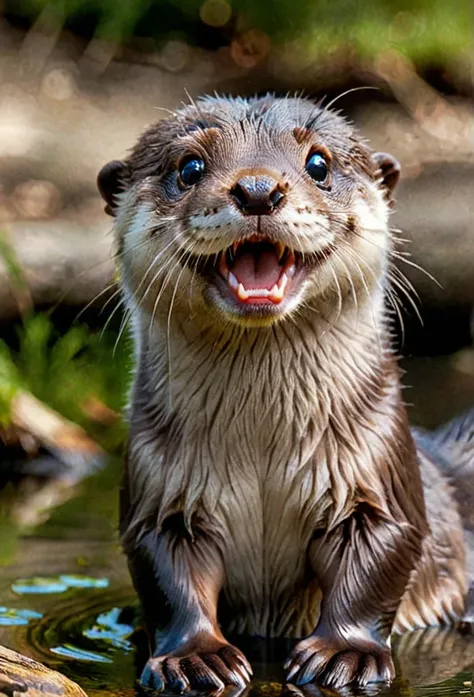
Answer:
(111, 181)
(389, 173)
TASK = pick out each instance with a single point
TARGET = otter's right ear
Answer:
(111, 181)
(389, 172)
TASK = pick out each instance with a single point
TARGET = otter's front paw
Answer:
(199, 665)
(334, 662)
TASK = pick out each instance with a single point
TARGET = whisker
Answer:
(115, 256)
(400, 256)
(367, 290)
(193, 277)
(167, 111)
(415, 266)
(165, 284)
(334, 251)
(128, 311)
(194, 104)
(112, 297)
(168, 328)
(390, 294)
(405, 281)
(338, 286)
(128, 314)
(155, 260)
(112, 314)
(403, 290)
(96, 297)
(125, 319)
(346, 92)
(394, 301)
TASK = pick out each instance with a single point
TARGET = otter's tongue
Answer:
(256, 266)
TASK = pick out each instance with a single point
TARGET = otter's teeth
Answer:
(223, 268)
(290, 265)
(241, 292)
(282, 282)
(280, 250)
(235, 247)
(276, 294)
(232, 281)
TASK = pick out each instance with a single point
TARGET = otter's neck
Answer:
(292, 373)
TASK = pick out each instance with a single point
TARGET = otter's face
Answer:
(252, 208)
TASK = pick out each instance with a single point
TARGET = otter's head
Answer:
(251, 208)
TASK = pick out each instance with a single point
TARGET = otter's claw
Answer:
(202, 671)
(335, 664)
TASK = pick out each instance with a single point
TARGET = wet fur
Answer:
(270, 465)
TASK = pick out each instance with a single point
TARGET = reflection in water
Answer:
(77, 654)
(110, 629)
(89, 635)
(319, 691)
(10, 617)
(433, 655)
(59, 584)
(84, 582)
(38, 585)
(107, 631)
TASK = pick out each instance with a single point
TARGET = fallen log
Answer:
(21, 676)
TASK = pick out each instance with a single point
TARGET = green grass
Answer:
(64, 371)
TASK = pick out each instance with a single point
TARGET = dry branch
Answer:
(74, 456)
(51, 429)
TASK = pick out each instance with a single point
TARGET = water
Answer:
(66, 598)
(85, 628)
(80, 623)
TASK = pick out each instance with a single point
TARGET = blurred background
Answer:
(79, 81)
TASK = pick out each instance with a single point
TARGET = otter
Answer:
(272, 486)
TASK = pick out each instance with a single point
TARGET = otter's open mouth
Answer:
(258, 271)
(254, 277)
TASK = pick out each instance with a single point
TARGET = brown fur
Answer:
(270, 464)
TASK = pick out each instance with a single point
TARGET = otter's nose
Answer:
(257, 195)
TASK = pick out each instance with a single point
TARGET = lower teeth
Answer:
(275, 294)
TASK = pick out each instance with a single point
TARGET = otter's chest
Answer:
(267, 478)
(266, 519)
(266, 509)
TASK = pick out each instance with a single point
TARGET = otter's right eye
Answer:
(191, 171)
(317, 167)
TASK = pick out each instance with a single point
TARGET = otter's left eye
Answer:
(191, 171)
(317, 167)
